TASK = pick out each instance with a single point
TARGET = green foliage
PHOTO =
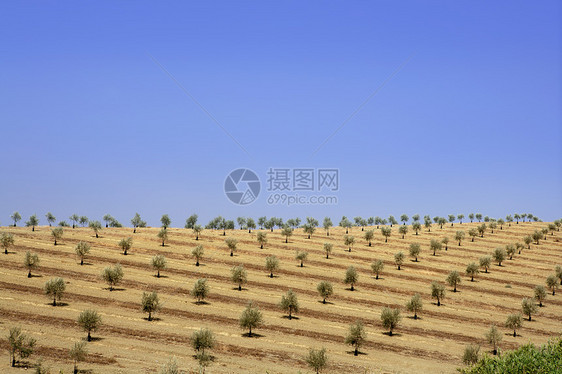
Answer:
(552, 283)
(239, 276)
(287, 232)
(471, 353)
(351, 277)
(435, 245)
(165, 221)
(150, 303)
(289, 303)
(356, 336)
(163, 236)
(325, 289)
(528, 307)
(499, 255)
(137, 221)
(369, 235)
(453, 279)
(527, 359)
(377, 266)
(251, 318)
(416, 226)
(459, 236)
(170, 367)
(262, 238)
(96, 226)
(6, 241)
(20, 344)
(33, 221)
(390, 318)
(112, 275)
(472, 270)
(271, 264)
(198, 253)
(31, 261)
(200, 290)
(317, 359)
(57, 233)
(55, 288)
(82, 248)
(386, 232)
(349, 240)
(15, 217)
(514, 322)
(50, 218)
(197, 229)
(301, 256)
(415, 305)
(126, 245)
(327, 224)
(415, 250)
(399, 258)
(437, 292)
(403, 230)
(202, 339)
(328, 247)
(485, 262)
(89, 320)
(158, 263)
(494, 337)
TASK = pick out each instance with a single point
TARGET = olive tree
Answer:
(126, 244)
(471, 217)
(399, 259)
(197, 229)
(201, 340)
(55, 288)
(390, 319)
(415, 305)
(15, 217)
(82, 249)
(472, 270)
(301, 256)
(403, 230)
(33, 221)
(499, 255)
(327, 224)
(317, 359)
(349, 240)
(251, 318)
(472, 233)
(231, 243)
(325, 289)
(198, 253)
(481, 229)
(239, 276)
(528, 240)
(6, 241)
(20, 344)
(31, 261)
(471, 354)
(540, 294)
(459, 236)
(96, 226)
(369, 235)
(89, 320)
(287, 232)
(494, 337)
(261, 238)
(50, 218)
(558, 272)
(200, 290)
(271, 264)
(415, 249)
(356, 336)
(150, 303)
(537, 235)
(552, 283)
(83, 220)
(445, 241)
(528, 307)
(77, 354)
(309, 229)
(435, 245)
(485, 262)
(112, 275)
(351, 277)
(158, 263)
(437, 292)
(289, 303)
(328, 247)
(165, 221)
(57, 233)
(514, 322)
(453, 279)
(163, 236)
(137, 222)
(386, 232)
(510, 250)
(377, 267)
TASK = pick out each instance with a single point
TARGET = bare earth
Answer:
(128, 343)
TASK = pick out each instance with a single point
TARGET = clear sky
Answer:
(465, 117)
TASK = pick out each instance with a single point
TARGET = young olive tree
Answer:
(271, 264)
(459, 236)
(390, 319)
(472, 270)
(301, 256)
(437, 292)
(54, 288)
(485, 262)
(158, 263)
(399, 259)
(163, 236)
(261, 238)
(325, 289)
(453, 279)
(386, 232)
(239, 276)
(415, 250)
(150, 303)
(82, 249)
(369, 235)
(89, 320)
(317, 359)
(356, 336)
(494, 337)
(377, 267)
(514, 322)
(349, 240)
(201, 340)
(351, 277)
(112, 275)
(20, 344)
(57, 233)
(435, 245)
(31, 261)
(287, 232)
(77, 354)
(415, 305)
(96, 226)
(289, 303)
(499, 255)
(328, 247)
(552, 283)
(251, 318)
(198, 253)
(327, 224)
(33, 221)
(6, 241)
(528, 307)
(125, 245)
(540, 294)
(403, 230)
(200, 290)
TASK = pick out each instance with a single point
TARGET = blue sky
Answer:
(91, 124)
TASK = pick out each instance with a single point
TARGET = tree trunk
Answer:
(158, 275)
(302, 266)
(250, 333)
(377, 276)
(239, 287)
(324, 301)
(14, 360)
(352, 287)
(309, 236)
(97, 235)
(271, 275)
(82, 261)
(349, 249)
(29, 274)
(327, 257)
(286, 240)
(197, 263)
(369, 244)
(356, 352)
(438, 302)
(261, 246)
(149, 316)
(89, 336)
(514, 333)
(231, 254)
(33, 228)
(55, 301)
(55, 241)
(390, 333)
(415, 315)
(75, 369)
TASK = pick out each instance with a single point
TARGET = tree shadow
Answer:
(161, 276)
(114, 289)
(94, 339)
(387, 333)
(254, 335)
(202, 302)
(359, 353)
(292, 317)
(271, 277)
(154, 319)
(86, 264)
(326, 303)
(211, 358)
(243, 289)
(59, 304)
(36, 276)
(412, 317)
(354, 288)
(414, 261)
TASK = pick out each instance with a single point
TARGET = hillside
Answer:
(128, 343)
